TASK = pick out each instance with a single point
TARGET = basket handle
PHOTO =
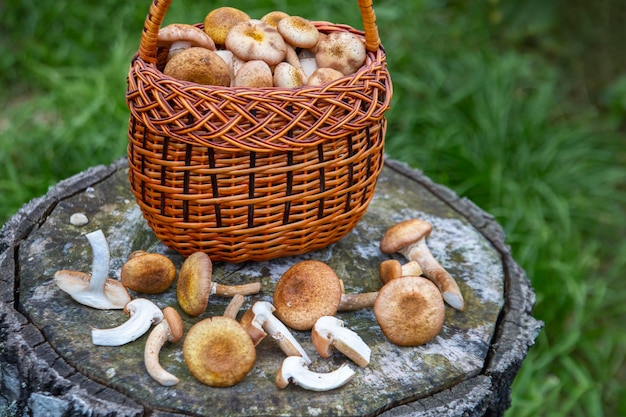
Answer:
(158, 8)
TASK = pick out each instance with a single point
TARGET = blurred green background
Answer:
(518, 106)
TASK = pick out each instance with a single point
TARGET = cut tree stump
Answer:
(50, 367)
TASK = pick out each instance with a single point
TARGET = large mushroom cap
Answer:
(403, 234)
(194, 283)
(409, 310)
(218, 351)
(198, 65)
(151, 273)
(305, 292)
(298, 31)
(218, 22)
(255, 39)
(343, 51)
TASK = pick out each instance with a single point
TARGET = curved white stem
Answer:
(156, 339)
(294, 369)
(143, 313)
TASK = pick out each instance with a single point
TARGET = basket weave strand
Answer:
(254, 174)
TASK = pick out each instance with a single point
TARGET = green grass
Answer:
(496, 100)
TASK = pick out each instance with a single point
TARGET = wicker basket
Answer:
(254, 173)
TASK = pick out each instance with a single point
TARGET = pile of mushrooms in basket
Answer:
(278, 50)
(409, 308)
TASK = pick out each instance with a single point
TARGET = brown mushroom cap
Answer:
(403, 234)
(254, 39)
(150, 273)
(218, 351)
(323, 75)
(218, 22)
(409, 310)
(175, 323)
(194, 283)
(389, 269)
(305, 292)
(198, 65)
(343, 51)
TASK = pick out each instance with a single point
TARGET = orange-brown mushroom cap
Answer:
(194, 283)
(150, 273)
(175, 323)
(305, 292)
(409, 310)
(403, 234)
(218, 351)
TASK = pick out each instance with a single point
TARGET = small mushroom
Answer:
(148, 273)
(254, 39)
(143, 314)
(294, 369)
(287, 76)
(198, 65)
(218, 351)
(179, 36)
(170, 329)
(259, 321)
(311, 289)
(323, 75)
(343, 51)
(329, 333)
(409, 310)
(272, 18)
(255, 73)
(218, 22)
(298, 31)
(95, 290)
(195, 285)
(392, 268)
(408, 238)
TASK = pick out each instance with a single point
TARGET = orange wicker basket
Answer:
(254, 173)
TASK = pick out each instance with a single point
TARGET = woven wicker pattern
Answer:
(254, 174)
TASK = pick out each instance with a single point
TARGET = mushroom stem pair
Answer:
(96, 291)
(409, 239)
(143, 314)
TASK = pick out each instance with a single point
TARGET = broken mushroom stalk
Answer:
(295, 369)
(143, 314)
(259, 321)
(195, 285)
(392, 268)
(409, 239)
(95, 290)
(329, 333)
(170, 329)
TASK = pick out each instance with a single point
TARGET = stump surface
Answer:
(466, 370)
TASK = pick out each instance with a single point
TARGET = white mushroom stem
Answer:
(265, 319)
(433, 270)
(329, 332)
(295, 370)
(143, 314)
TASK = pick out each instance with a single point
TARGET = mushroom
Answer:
(95, 290)
(179, 36)
(148, 273)
(392, 268)
(298, 32)
(294, 369)
(198, 65)
(323, 75)
(218, 351)
(307, 62)
(408, 238)
(343, 51)
(170, 329)
(255, 73)
(254, 39)
(409, 310)
(272, 18)
(143, 313)
(259, 321)
(218, 22)
(288, 76)
(329, 333)
(311, 289)
(195, 285)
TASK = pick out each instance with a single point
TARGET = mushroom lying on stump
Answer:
(329, 333)
(148, 273)
(195, 285)
(143, 314)
(409, 239)
(170, 329)
(294, 369)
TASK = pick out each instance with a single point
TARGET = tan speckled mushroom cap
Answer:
(305, 292)
(409, 310)
(403, 234)
(219, 21)
(343, 51)
(254, 39)
(298, 31)
(198, 65)
(218, 351)
(194, 283)
(150, 273)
